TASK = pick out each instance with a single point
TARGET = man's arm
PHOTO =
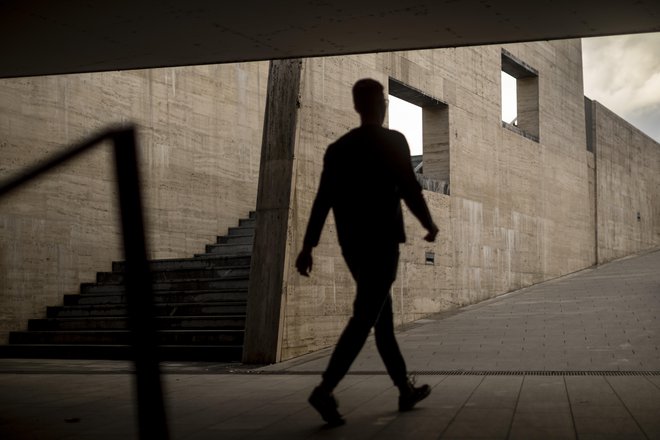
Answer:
(320, 209)
(411, 190)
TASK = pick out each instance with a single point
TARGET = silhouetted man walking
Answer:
(365, 174)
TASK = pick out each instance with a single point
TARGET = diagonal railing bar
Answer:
(152, 421)
(54, 161)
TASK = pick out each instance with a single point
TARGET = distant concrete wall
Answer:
(518, 212)
(200, 140)
(628, 186)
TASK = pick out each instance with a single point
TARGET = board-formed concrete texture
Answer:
(522, 206)
(628, 186)
(199, 139)
(264, 320)
(518, 212)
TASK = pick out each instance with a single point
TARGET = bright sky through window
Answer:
(509, 98)
(406, 118)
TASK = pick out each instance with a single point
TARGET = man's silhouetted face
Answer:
(369, 101)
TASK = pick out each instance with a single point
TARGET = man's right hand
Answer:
(430, 237)
(304, 262)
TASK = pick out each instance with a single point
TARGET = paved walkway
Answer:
(574, 358)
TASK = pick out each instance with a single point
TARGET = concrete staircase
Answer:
(200, 309)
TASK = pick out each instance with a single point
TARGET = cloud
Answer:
(623, 73)
(648, 120)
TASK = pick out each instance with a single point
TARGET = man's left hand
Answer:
(430, 237)
(304, 262)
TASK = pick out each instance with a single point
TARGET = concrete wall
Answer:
(518, 212)
(628, 183)
(200, 139)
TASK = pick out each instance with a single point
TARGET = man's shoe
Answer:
(409, 398)
(326, 405)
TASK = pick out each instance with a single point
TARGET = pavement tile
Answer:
(591, 392)
(605, 318)
(544, 425)
(591, 411)
(476, 422)
(619, 428)
(543, 394)
(471, 438)
(635, 392)
(427, 426)
(649, 421)
(654, 380)
(497, 392)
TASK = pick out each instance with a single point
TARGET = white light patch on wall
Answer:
(509, 98)
(406, 118)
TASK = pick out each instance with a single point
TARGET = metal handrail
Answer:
(152, 421)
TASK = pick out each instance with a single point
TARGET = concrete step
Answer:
(123, 337)
(200, 304)
(237, 282)
(213, 261)
(179, 274)
(236, 322)
(220, 353)
(236, 239)
(188, 296)
(239, 231)
(228, 249)
(247, 222)
(175, 309)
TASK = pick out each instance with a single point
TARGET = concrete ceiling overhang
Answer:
(40, 37)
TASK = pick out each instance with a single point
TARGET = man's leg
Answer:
(366, 308)
(389, 351)
(388, 348)
(372, 289)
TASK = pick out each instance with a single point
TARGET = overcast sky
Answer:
(621, 72)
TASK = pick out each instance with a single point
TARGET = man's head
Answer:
(369, 100)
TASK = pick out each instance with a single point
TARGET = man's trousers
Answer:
(374, 270)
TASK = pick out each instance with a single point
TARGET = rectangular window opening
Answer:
(425, 123)
(520, 97)
(406, 117)
(509, 103)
